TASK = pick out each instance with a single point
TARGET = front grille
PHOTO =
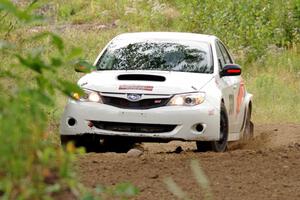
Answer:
(142, 104)
(134, 127)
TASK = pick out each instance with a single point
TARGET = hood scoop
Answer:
(141, 77)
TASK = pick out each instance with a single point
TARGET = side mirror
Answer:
(83, 66)
(231, 70)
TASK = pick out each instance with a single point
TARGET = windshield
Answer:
(184, 56)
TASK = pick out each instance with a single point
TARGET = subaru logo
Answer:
(134, 97)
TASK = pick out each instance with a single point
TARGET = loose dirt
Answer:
(268, 167)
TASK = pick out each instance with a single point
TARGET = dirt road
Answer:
(266, 168)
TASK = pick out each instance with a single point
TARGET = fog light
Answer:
(199, 127)
(71, 121)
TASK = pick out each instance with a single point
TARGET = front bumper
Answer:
(185, 118)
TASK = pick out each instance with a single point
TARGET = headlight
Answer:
(189, 99)
(94, 97)
(88, 96)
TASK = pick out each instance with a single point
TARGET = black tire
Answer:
(248, 133)
(221, 145)
(91, 143)
(118, 145)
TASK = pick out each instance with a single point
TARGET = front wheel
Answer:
(91, 143)
(220, 145)
(249, 127)
(118, 145)
(94, 143)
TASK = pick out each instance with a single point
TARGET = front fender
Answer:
(247, 107)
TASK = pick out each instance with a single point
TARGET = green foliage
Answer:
(119, 191)
(36, 72)
(32, 164)
(23, 15)
(274, 81)
(250, 26)
(31, 167)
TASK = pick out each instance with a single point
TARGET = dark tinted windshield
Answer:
(158, 55)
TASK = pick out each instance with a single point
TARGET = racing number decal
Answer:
(240, 96)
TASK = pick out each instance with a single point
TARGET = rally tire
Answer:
(118, 145)
(248, 133)
(220, 145)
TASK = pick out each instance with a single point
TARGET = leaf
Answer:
(75, 52)
(53, 188)
(175, 189)
(58, 42)
(88, 196)
(33, 62)
(68, 88)
(8, 6)
(55, 39)
(56, 62)
(126, 189)
(70, 147)
(45, 84)
(43, 98)
(26, 16)
(99, 189)
(201, 179)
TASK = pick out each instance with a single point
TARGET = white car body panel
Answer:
(185, 118)
(110, 83)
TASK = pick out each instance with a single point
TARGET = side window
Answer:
(227, 57)
(220, 56)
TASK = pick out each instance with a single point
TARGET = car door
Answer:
(235, 86)
(229, 85)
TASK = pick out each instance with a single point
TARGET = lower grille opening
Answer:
(134, 127)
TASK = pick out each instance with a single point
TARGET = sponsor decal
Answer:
(136, 87)
(240, 97)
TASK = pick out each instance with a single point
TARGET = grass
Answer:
(264, 36)
(275, 83)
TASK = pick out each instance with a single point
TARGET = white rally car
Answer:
(160, 86)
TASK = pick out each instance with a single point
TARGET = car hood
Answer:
(146, 82)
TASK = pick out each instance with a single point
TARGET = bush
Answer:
(31, 166)
(250, 25)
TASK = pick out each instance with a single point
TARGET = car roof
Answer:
(166, 35)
